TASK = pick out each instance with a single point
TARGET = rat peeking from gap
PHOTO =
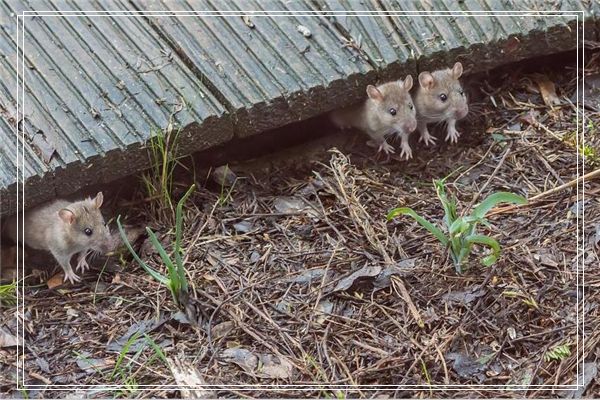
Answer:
(440, 97)
(64, 229)
(388, 111)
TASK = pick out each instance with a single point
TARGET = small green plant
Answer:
(558, 353)
(176, 281)
(461, 230)
(163, 157)
(8, 294)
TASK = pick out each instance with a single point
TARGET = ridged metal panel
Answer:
(436, 39)
(31, 161)
(270, 74)
(97, 86)
(96, 89)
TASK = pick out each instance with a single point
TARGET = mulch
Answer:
(299, 280)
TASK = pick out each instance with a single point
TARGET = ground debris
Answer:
(192, 384)
(259, 365)
(301, 280)
(464, 297)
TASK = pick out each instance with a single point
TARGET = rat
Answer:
(388, 111)
(440, 97)
(64, 229)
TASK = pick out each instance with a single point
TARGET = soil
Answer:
(301, 287)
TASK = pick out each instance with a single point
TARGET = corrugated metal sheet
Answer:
(266, 70)
(436, 39)
(96, 86)
(95, 89)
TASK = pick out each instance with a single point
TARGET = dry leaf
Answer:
(91, 365)
(222, 329)
(464, 297)
(261, 365)
(55, 281)
(324, 308)
(223, 176)
(365, 272)
(116, 279)
(547, 90)
(7, 339)
(530, 117)
(586, 375)
(188, 378)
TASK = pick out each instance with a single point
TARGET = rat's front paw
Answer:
(427, 139)
(71, 277)
(386, 148)
(82, 265)
(406, 152)
(452, 136)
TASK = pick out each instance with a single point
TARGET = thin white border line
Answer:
(312, 12)
(577, 217)
(583, 204)
(575, 14)
(336, 386)
(20, 187)
(17, 179)
(399, 14)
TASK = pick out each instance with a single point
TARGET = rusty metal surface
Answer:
(97, 86)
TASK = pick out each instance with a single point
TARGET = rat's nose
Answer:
(410, 126)
(462, 112)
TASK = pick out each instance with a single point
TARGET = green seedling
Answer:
(176, 281)
(558, 353)
(461, 231)
(8, 294)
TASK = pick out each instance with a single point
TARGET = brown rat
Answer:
(64, 228)
(440, 97)
(388, 111)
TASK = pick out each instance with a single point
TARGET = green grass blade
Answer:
(122, 353)
(178, 232)
(156, 349)
(8, 294)
(155, 274)
(449, 205)
(163, 254)
(434, 230)
(492, 200)
(486, 241)
(459, 226)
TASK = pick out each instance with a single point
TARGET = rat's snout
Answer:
(462, 112)
(408, 126)
(107, 244)
(411, 125)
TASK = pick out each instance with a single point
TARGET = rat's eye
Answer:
(443, 97)
(88, 231)
(392, 111)
(410, 105)
(462, 92)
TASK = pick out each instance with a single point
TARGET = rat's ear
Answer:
(374, 93)
(457, 70)
(426, 80)
(98, 200)
(408, 83)
(67, 215)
